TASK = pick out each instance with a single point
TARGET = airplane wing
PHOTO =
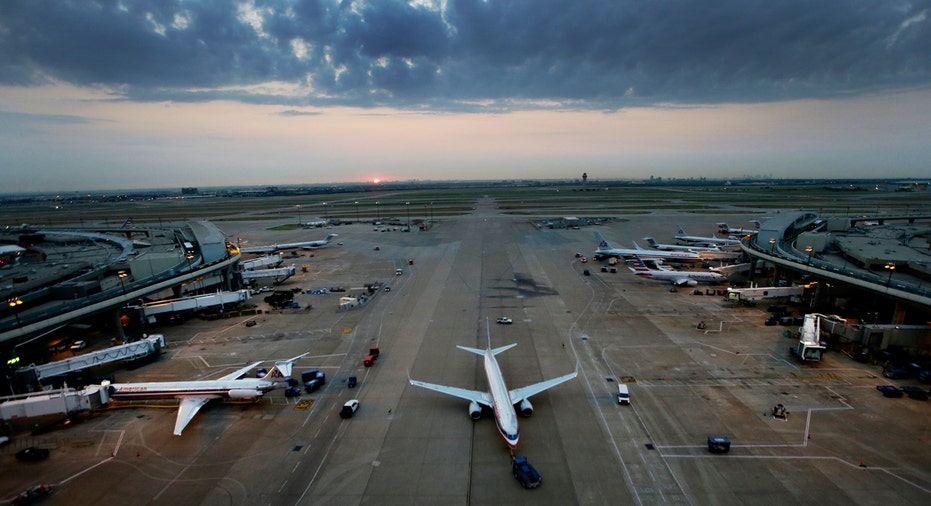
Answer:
(237, 374)
(188, 408)
(470, 395)
(519, 394)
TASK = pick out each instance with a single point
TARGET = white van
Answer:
(623, 395)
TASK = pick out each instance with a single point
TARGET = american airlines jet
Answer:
(680, 278)
(293, 245)
(706, 252)
(498, 398)
(605, 250)
(705, 241)
(194, 394)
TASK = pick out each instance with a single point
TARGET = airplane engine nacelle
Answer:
(475, 411)
(689, 282)
(243, 394)
(526, 408)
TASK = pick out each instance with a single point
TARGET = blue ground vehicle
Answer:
(526, 474)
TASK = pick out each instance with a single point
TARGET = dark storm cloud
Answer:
(495, 55)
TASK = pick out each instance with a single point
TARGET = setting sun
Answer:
(376, 180)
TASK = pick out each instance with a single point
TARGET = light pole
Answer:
(326, 217)
(121, 275)
(809, 249)
(377, 214)
(408, 206)
(15, 302)
(772, 245)
(890, 267)
(299, 223)
(357, 211)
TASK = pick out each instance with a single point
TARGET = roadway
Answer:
(408, 445)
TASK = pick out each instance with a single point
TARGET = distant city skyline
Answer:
(153, 94)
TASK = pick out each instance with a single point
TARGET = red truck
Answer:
(369, 359)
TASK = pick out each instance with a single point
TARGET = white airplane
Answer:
(705, 241)
(706, 252)
(605, 250)
(194, 394)
(725, 229)
(498, 398)
(293, 245)
(680, 278)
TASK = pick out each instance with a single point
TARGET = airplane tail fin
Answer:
(602, 242)
(330, 237)
(637, 266)
(679, 229)
(282, 369)
(652, 242)
(636, 246)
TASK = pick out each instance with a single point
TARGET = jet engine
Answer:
(526, 408)
(688, 282)
(243, 394)
(475, 411)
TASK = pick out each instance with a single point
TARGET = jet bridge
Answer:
(280, 274)
(260, 262)
(809, 344)
(56, 404)
(34, 374)
(195, 303)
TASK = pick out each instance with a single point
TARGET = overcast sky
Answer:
(136, 94)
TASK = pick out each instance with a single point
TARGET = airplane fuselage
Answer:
(238, 389)
(505, 415)
(672, 256)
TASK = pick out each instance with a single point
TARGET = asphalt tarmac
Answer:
(842, 442)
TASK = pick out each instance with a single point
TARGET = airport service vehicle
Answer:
(32, 454)
(504, 320)
(718, 444)
(352, 381)
(917, 393)
(623, 394)
(292, 392)
(526, 474)
(194, 394)
(896, 373)
(349, 408)
(312, 385)
(313, 374)
(498, 397)
(78, 345)
(889, 391)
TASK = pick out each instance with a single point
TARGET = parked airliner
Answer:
(738, 231)
(706, 252)
(498, 398)
(680, 278)
(194, 394)
(705, 241)
(605, 250)
(293, 245)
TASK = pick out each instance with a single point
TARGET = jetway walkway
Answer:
(194, 303)
(33, 374)
(280, 274)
